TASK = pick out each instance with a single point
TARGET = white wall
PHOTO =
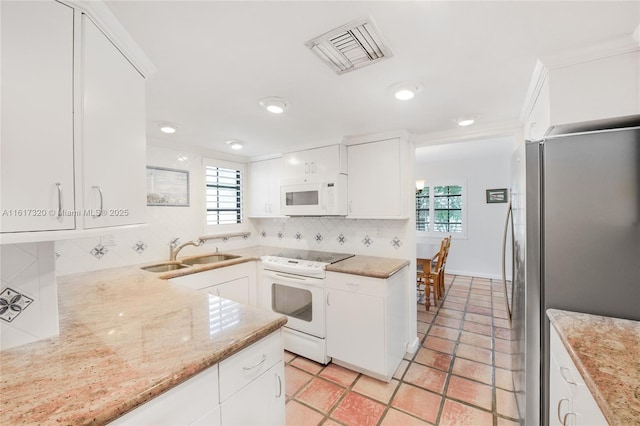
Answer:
(150, 243)
(481, 165)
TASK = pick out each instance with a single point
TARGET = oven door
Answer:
(300, 298)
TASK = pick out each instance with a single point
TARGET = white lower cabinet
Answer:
(236, 282)
(244, 389)
(184, 404)
(259, 403)
(366, 322)
(570, 401)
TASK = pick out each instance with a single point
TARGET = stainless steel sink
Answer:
(164, 267)
(212, 258)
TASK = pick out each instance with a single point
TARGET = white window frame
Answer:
(236, 227)
(436, 234)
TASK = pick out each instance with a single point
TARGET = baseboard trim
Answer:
(413, 346)
(476, 274)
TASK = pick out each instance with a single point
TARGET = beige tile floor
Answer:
(460, 375)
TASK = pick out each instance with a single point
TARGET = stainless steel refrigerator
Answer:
(575, 230)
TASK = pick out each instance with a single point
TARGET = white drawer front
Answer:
(245, 366)
(356, 284)
(183, 404)
(568, 370)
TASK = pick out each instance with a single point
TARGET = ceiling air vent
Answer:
(351, 46)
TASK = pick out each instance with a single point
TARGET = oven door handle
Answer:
(284, 277)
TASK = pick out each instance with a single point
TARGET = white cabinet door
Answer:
(184, 404)
(356, 329)
(236, 290)
(259, 189)
(570, 401)
(212, 418)
(315, 162)
(37, 117)
(376, 180)
(113, 134)
(259, 403)
(264, 188)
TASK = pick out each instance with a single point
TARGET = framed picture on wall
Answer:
(167, 187)
(497, 195)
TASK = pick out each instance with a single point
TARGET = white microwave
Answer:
(325, 197)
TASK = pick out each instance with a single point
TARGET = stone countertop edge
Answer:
(127, 360)
(605, 350)
(187, 372)
(369, 266)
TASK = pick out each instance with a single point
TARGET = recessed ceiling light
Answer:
(234, 144)
(466, 121)
(166, 127)
(274, 104)
(405, 91)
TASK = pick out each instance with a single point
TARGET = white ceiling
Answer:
(217, 59)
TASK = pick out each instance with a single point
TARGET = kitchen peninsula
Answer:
(126, 336)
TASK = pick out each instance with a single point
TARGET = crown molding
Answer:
(113, 29)
(373, 137)
(538, 77)
(605, 49)
(489, 130)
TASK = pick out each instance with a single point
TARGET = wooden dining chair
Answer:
(432, 276)
(447, 242)
(422, 270)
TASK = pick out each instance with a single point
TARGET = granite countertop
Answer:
(369, 266)
(125, 337)
(606, 351)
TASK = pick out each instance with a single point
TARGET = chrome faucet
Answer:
(174, 248)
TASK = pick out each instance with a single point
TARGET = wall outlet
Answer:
(108, 240)
(378, 232)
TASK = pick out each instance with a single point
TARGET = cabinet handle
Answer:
(313, 167)
(354, 286)
(560, 408)
(96, 187)
(564, 419)
(279, 380)
(257, 364)
(59, 186)
(564, 373)
(266, 208)
(328, 304)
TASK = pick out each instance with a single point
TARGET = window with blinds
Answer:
(422, 210)
(223, 196)
(440, 209)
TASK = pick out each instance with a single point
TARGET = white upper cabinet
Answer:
(113, 134)
(37, 184)
(264, 188)
(602, 90)
(378, 180)
(73, 122)
(314, 164)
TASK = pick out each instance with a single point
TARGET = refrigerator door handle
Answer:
(508, 221)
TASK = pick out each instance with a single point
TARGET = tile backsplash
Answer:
(28, 294)
(358, 236)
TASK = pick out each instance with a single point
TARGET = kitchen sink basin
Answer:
(164, 267)
(212, 258)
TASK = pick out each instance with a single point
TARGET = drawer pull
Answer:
(256, 365)
(560, 407)
(564, 372)
(59, 186)
(279, 394)
(564, 419)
